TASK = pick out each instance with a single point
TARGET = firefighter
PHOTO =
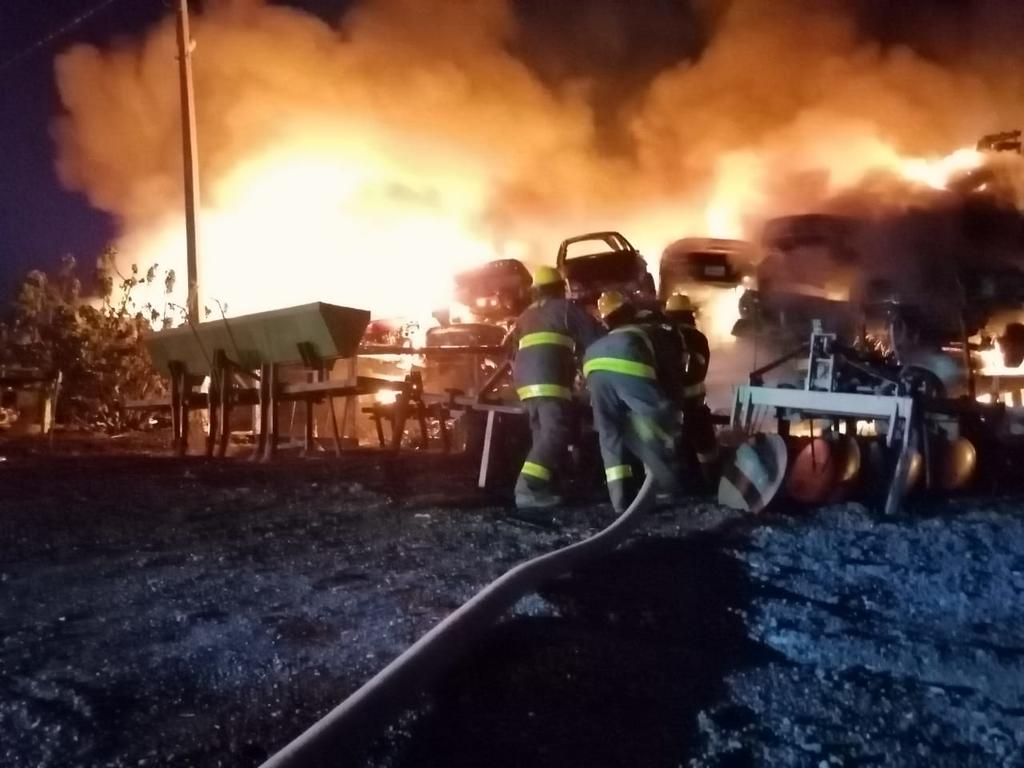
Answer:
(698, 429)
(669, 352)
(546, 338)
(633, 417)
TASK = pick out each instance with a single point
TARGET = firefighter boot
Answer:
(535, 497)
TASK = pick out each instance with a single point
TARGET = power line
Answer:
(53, 35)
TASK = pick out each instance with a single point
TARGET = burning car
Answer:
(713, 273)
(487, 300)
(810, 263)
(602, 261)
(493, 294)
(700, 266)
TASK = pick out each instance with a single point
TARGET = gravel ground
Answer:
(156, 611)
(898, 642)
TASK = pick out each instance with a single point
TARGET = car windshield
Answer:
(613, 266)
(592, 245)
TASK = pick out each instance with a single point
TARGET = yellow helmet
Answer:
(546, 276)
(608, 302)
(679, 302)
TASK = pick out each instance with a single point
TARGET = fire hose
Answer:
(341, 732)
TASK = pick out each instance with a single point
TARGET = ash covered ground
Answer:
(159, 611)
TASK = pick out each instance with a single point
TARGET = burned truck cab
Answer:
(913, 286)
(810, 270)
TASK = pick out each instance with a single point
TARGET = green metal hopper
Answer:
(263, 337)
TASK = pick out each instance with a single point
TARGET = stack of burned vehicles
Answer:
(487, 300)
(895, 336)
(922, 296)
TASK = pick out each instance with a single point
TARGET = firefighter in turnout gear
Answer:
(669, 352)
(698, 429)
(547, 337)
(633, 417)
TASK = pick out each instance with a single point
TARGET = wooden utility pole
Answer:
(191, 156)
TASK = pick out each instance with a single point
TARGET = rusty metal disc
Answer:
(752, 476)
(849, 458)
(957, 462)
(878, 466)
(813, 470)
(916, 470)
(850, 461)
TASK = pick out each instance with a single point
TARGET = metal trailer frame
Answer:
(899, 412)
(819, 399)
(243, 358)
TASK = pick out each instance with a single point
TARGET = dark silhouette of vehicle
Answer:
(921, 281)
(698, 265)
(604, 261)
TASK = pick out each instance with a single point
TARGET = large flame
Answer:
(314, 219)
(324, 217)
(992, 363)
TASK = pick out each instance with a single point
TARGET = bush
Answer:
(96, 343)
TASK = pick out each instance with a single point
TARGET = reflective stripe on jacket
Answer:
(546, 336)
(626, 350)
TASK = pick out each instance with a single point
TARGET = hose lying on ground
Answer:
(339, 735)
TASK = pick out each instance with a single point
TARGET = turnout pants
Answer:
(550, 432)
(634, 421)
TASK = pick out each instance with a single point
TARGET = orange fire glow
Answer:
(320, 220)
(312, 220)
(992, 363)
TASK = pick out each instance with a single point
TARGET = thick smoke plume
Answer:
(363, 162)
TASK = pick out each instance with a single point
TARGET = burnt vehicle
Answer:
(486, 301)
(810, 264)
(492, 294)
(714, 273)
(702, 266)
(914, 286)
(604, 261)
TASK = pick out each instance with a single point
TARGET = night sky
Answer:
(39, 220)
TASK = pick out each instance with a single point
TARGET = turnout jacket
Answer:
(627, 351)
(546, 338)
(670, 352)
